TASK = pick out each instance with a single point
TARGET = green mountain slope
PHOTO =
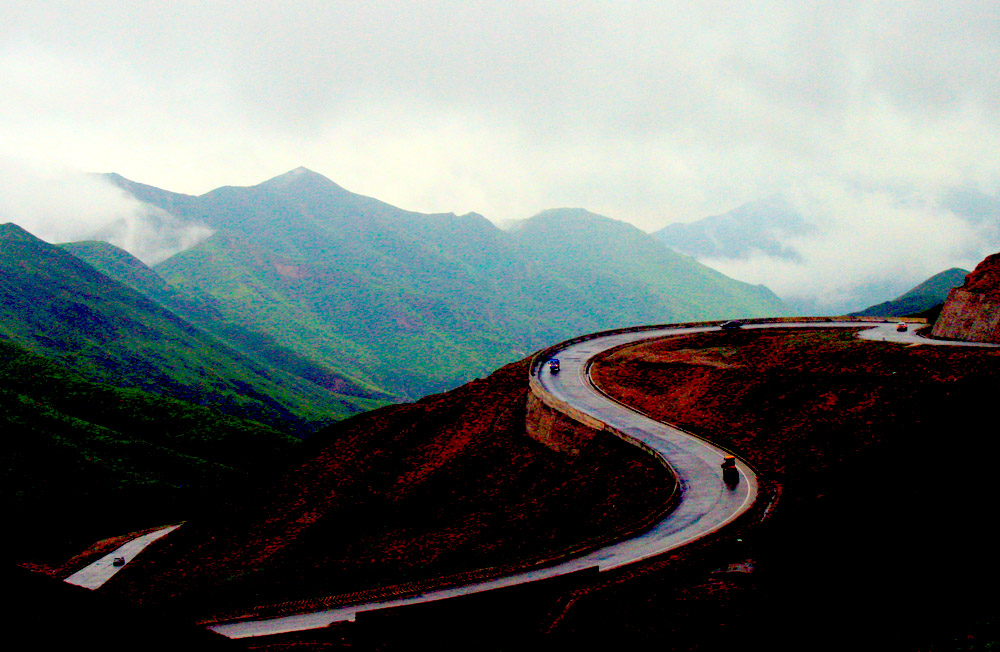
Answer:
(361, 297)
(622, 276)
(55, 305)
(923, 297)
(410, 303)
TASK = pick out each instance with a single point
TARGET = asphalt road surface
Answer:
(103, 569)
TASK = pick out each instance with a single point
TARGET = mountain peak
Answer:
(571, 215)
(300, 177)
(576, 218)
(11, 231)
(565, 212)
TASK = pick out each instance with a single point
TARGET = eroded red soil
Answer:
(884, 456)
(409, 492)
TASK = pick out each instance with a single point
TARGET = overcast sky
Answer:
(865, 115)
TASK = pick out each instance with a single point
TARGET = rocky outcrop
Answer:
(972, 311)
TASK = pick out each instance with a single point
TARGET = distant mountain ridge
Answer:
(763, 227)
(923, 297)
(413, 303)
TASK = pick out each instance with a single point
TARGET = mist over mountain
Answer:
(823, 253)
(619, 270)
(763, 227)
(921, 298)
(411, 303)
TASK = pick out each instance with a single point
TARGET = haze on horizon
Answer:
(877, 121)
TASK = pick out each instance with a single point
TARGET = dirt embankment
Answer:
(401, 494)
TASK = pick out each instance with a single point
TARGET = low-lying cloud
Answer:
(649, 112)
(870, 245)
(68, 207)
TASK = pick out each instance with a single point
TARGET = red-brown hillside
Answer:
(407, 492)
(882, 538)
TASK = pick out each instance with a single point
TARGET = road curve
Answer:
(705, 503)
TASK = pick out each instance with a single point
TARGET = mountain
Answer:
(118, 264)
(57, 306)
(387, 297)
(619, 275)
(759, 227)
(409, 303)
(923, 297)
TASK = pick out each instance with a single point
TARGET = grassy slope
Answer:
(59, 307)
(203, 310)
(629, 278)
(406, 492)
(879, 540)
(923, 297)
(349, 281)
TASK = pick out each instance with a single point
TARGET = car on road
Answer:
(554, 365)
(732, 324)
(118, 561)
(901, 327)
(730, 474)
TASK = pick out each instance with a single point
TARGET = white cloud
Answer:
(68, 207)
(869, 240)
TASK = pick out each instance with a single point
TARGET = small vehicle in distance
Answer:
(554, 365)
(901, 327)
(732, 324)
(730, 474)
(118, 561)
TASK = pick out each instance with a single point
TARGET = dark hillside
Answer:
(95, 459)
(408, 492)
(88, 620)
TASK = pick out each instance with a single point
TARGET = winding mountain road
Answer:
(705, 503)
